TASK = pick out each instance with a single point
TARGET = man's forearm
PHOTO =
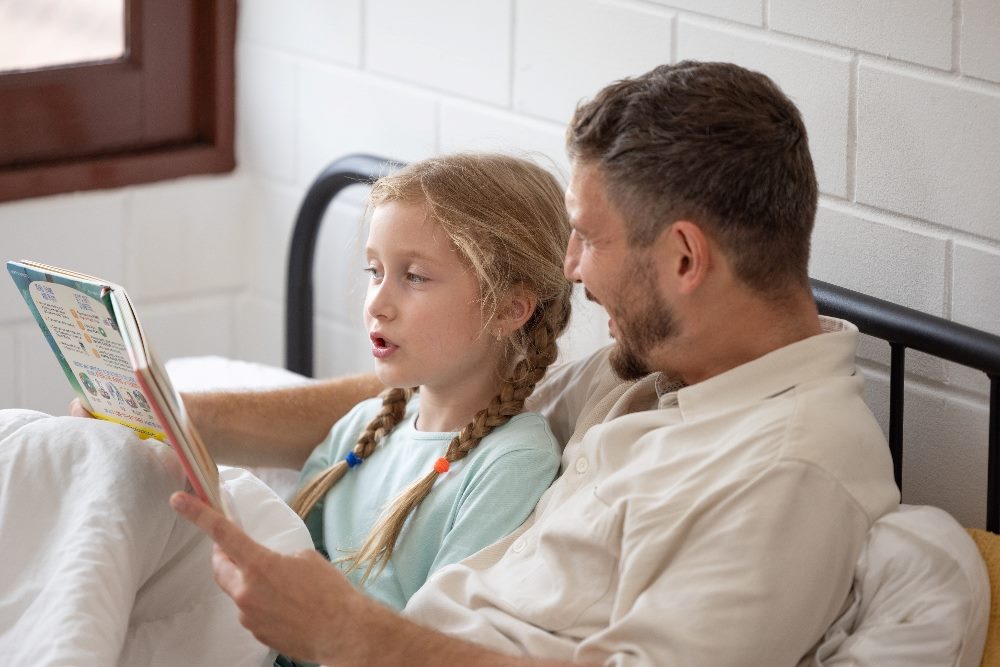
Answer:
(379, 637)
(278, 427)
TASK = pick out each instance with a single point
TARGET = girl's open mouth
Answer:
(382, 347)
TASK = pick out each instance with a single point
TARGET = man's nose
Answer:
(571, 263)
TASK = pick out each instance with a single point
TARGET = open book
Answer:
(91, 327)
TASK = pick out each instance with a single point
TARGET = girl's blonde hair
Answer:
(506, 217)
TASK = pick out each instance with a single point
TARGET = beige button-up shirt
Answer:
(716, 524)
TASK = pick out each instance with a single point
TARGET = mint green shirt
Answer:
(480, 499)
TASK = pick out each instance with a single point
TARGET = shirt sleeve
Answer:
(754, 579)
(497, 499)
(563, 392)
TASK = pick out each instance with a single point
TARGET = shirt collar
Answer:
(828, 353)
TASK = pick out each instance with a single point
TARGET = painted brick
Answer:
(944, 447)
(271, 217)
(260, 330)
(744, 11)
(818, 81)
(191, 327)
(928, 148)
(342, 112)
(918, 31)
(318, 28)
(460, 47)
(265, 124)
(41, 381)
(186, 237)
(945, 441)
(980, 29)
(474, 127)
(8, 368)
(82, 232)
(587, 330)
(341, 350)
(557, 68)
(975, 299)
(340, 281)
(871, 257)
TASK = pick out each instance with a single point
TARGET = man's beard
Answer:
(644, 321)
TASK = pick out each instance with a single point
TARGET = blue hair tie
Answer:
(353, 460)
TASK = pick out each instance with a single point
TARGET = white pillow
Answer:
(921, 596)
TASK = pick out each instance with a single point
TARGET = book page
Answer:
(95, 353)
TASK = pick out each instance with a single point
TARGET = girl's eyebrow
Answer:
(409, 256)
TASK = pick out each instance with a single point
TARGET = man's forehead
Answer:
(585, 184)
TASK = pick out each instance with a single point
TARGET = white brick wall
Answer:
(343, 111)
(929, 147)
(459, 47)
(10, 389)
(854, 251)
(901, 99)
(734, 10)
(917, 31)
(568, 49)
(471, 126)
(979, 29)
(266, 122)
(975, 293)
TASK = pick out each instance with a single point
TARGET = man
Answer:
(717, 486)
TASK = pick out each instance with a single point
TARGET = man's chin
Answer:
(626, 364)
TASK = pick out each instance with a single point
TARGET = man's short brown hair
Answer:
(713, 143)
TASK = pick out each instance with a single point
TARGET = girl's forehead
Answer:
(407, 227)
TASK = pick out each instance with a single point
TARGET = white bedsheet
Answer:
(96, 569)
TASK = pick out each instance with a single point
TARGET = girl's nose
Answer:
(378, 302)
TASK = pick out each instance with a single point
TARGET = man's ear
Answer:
(691, 255)
(515, 309)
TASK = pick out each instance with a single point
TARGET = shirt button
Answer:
(581, 465)
(518, 545)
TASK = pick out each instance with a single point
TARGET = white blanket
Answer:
(96, 569)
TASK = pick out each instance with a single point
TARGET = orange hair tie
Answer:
(441, 465)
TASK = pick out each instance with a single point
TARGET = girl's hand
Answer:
(76, 409)
(295, 604)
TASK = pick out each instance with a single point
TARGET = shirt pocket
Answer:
(564, 564)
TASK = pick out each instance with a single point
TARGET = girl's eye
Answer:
(371, 271)
(414, 278)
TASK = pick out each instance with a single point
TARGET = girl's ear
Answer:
(515, 309)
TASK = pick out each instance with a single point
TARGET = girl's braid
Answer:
(541, 351)
(393, 409)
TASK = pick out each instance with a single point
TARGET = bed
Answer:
(903, 612)
(922, 586)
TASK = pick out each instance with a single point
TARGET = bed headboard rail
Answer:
(339, 174)
(903, 328)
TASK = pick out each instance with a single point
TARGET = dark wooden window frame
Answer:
(165, 110)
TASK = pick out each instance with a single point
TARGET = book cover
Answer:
(94, 334)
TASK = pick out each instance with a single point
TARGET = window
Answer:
(162, 110)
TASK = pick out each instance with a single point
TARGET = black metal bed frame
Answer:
(903, 328)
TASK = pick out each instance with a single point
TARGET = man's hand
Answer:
(295, 604)
(76, 409)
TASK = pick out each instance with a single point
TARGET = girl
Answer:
(465, 302)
